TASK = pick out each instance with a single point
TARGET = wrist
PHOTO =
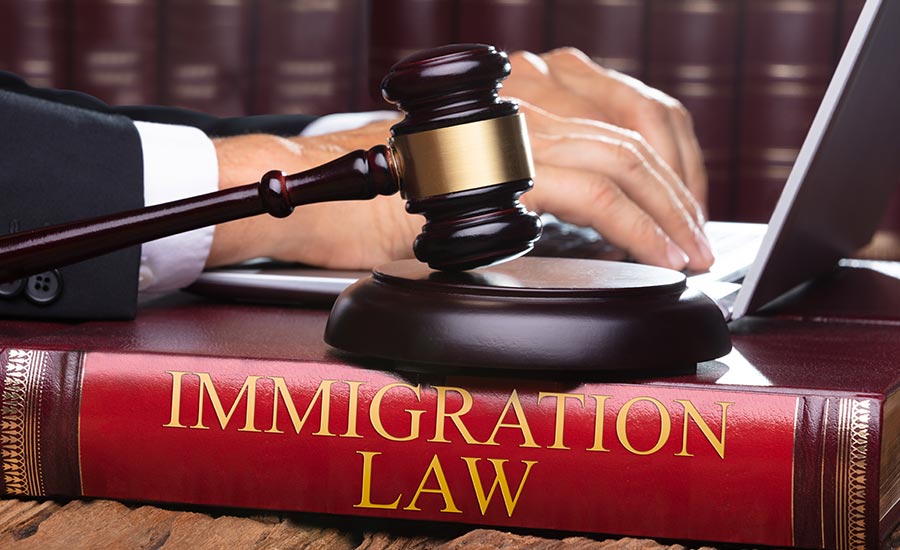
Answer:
(242, 160)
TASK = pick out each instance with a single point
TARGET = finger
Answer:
(530, 80)
(542, 122)
(622, 162)
(629, 102)
(695, 177)
(594, 200)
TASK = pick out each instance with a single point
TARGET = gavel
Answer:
(460, 157)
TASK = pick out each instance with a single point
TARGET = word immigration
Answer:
(510, 429)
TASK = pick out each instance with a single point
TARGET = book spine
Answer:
(643, 460)
(205, 55)
(114, 53)
(510, 26)
(34, 41)
(787, 59)
(399, 28)
(891, 220)
(362, 97)
(611, 32)
(849, 13)
(306, 57)
(7, 29)
(692, 55)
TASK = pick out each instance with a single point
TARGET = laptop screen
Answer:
(846, 171)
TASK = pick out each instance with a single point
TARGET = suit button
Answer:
(13, 289)
(44, 288)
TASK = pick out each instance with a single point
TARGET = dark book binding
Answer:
(510, 26)
(114, 50)
(611, 32)
(7, 28)
(692, 55)
(891, 220)
(778, 443)
(849, 13)
(205, 55)
(307, 56)
(788, 54)
(398, 28)
(33, 40)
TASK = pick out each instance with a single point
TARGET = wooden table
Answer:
(26, 524)
(48, 525)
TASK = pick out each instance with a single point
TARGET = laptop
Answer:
(831, 205)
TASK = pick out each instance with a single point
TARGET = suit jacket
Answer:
(67, 156)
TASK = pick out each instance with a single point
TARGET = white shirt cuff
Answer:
(340, 122)
(179, 162)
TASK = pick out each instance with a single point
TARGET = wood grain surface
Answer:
(89, 524)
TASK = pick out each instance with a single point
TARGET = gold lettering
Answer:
(352, 409)
(415, 415)
(175, 418)
(691, 412)
(365, 500)
(599, 416)
(443, 415)
(559, 425)
(323, 392)
(206, 386)
(443, 489)
(499, 480)
(522, 424)
(622, 425)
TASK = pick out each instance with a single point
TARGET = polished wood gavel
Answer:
(460, 157)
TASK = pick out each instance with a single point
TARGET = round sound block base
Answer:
(530, 313)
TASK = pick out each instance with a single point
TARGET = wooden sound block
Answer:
(530, 313)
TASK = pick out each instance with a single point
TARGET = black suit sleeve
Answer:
(67, 156)
(63, 162)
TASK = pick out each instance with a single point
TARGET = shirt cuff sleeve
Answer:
(179, 162)
(340, 122)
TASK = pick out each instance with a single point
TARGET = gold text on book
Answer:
(270, 397)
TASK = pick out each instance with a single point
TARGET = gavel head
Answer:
(462, 157)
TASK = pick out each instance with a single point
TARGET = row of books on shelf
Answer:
(751, 72)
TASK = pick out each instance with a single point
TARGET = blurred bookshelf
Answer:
(750, 72)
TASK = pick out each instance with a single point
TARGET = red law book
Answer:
(114, 53)
(398, 28)
(511, 26)
(205, 55)
(33, 41)
(788, 54)
(693, 50)
(307, 56)
(778, 443)
(611, 32)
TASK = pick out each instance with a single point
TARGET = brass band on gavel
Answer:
(466, 156)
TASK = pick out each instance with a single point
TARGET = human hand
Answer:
(338, 235)
(588, 172)
(613, 154)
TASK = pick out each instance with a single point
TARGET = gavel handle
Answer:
(359, 175)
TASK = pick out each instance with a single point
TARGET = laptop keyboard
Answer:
(564, 240)
(734, 245)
